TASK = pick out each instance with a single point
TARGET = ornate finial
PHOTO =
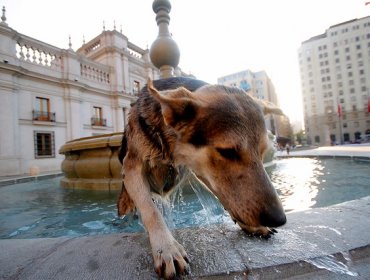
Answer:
(114, 24)
(70, 42)
(3, 17)
(83, 39)
(103, 25)
(164, 52)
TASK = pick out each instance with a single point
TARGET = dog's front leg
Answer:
(169, 256)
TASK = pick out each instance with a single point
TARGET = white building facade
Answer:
(259, 85)
(335, 75)
(50, 95)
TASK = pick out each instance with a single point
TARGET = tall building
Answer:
(50, 95)
(259, 85)
(335, 76)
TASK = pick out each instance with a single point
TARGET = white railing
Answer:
(95, 72)
(134, 50)
(134, 53)
(38, 53)
(92, 46)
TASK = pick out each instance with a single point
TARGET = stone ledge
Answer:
(11, 180)
(339, 232)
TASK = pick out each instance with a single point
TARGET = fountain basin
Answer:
(43, 209)
(92, 163)
(322, 243)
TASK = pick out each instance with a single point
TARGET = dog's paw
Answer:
(170, 260)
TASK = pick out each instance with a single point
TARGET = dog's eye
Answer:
(231, 153)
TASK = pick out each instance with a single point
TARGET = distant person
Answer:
(287, 147)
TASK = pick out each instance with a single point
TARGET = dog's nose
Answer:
(273, 217)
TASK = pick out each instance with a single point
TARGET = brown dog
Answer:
(219, 134)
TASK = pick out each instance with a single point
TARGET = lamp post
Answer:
(340, 114)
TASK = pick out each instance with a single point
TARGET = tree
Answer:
(300, 136)
(284, 131)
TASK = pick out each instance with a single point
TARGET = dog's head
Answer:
(222, 138)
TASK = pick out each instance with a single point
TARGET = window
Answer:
(44, 144)
(346, 137)
(136, 87)
(97, 119)
(98, 112)
(42, 110)
(42, 104)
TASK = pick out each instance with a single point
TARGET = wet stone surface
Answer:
(317, 242)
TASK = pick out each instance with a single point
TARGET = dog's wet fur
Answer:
(216, 132)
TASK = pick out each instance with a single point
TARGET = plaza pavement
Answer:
(322, 243)
(354, 150)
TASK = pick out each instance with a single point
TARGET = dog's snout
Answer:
(273, 217)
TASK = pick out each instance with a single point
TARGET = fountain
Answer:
(92, 163)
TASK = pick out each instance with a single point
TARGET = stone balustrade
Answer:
(135, 51)
(92, 46)
(95, 72)
(52, 60)
(34, 51)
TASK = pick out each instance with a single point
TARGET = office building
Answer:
(335, 77)
(260, 86)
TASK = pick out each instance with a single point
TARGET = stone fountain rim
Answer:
(92, 142)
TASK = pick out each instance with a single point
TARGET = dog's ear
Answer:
(177, 106)
(269, 108)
